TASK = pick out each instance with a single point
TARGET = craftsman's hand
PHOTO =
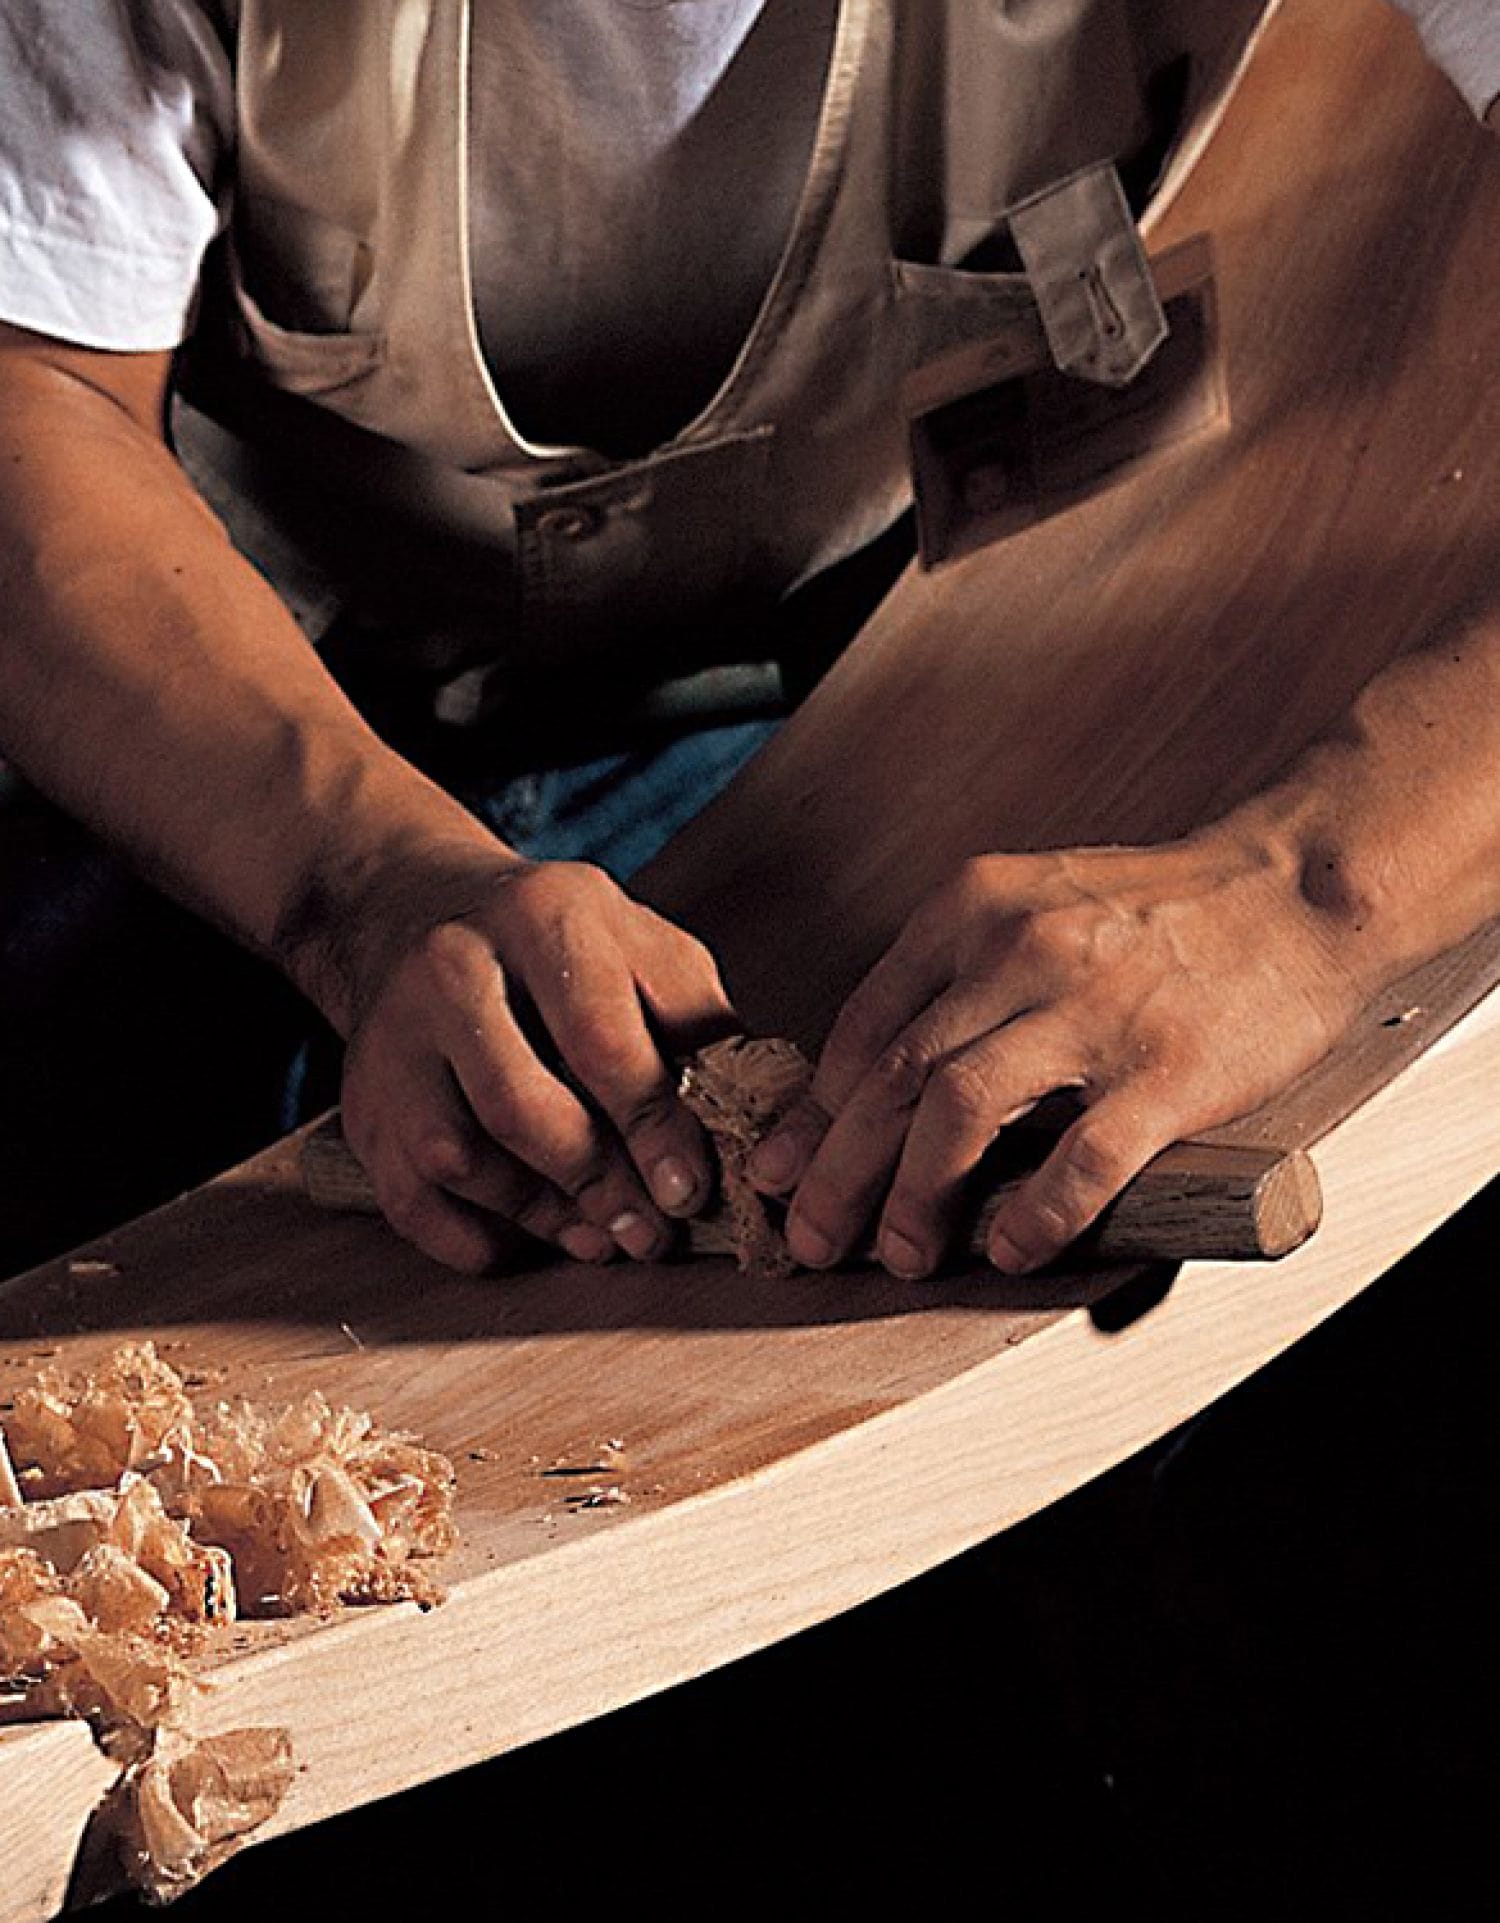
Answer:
(1173, 988)
(508, 1063)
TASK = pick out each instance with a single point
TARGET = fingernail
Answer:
(635, 1235)
(808, 1245)
(585, 1243)
(1006, 1256)
(777, 1162)
(673, 1183)
(903, 1258)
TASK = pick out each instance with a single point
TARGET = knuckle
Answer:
(974, 880)
(706, 968)
(1065, 1197)
(696, 996)
(1047, 1219)
(501, 1184)
(559, 887)
(601, 1055)
(406, 1204)
(1038, 944)
(543, 1213)
(421, 1215)
(653, 1114)
(981, 897)
(443, 1159)
(859, 1033)
(1099, 1158)
(450, 957)
(1046, 1225)
(912, 1210)
(965, 1093)
(1060, 942)
(496, 1101)
(901, 1073)
(581, 1171)
(459, 1247)
(1182, 1057)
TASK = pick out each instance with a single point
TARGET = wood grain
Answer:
(54, 1778)
(1120, 673)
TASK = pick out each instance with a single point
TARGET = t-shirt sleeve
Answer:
(115, 127)
(1463, 37)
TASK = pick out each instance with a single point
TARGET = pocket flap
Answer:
(1089, 273)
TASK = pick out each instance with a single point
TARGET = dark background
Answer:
(1249, 1673)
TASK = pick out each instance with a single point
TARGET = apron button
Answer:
(568, 523)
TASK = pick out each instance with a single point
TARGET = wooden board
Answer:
(789, 1450)
(1132, 668)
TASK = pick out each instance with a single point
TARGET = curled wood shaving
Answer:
(301, 1506)
(131, 1519)
(315, 1504)
(83, 1433)
(197, 1579)
(117, 1673)
(740, 1089)
(191, 1804)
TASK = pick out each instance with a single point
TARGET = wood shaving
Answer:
(10, 1489)
(740, 1089)
(191, 1804)
(132, 1518)
(603, 1498)
(196, 1578)
(84, 1433)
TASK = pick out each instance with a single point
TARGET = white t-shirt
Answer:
(1463, 37)
(113, 126)
(116, 120)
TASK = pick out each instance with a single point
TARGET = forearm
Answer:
(152, 684)
(1389, 825)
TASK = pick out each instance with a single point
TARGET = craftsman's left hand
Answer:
(1173, 987)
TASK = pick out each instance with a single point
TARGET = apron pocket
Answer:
(302, 363)
(943, 308)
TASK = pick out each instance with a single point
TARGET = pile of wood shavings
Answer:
(740, 1089)
(132, 1519)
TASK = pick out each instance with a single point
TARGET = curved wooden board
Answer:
(788, 1451)
(1130, 669)
(791, 1449)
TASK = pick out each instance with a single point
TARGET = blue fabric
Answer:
(620, 810)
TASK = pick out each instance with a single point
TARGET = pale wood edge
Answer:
(654, 1598)
(1183, 163)
(54, 1778)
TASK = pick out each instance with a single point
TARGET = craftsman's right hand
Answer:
(509, 1062)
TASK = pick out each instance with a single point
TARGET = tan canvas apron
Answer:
(946, 127)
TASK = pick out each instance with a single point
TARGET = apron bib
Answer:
(963, 173)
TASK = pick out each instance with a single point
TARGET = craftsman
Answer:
(584, 209)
